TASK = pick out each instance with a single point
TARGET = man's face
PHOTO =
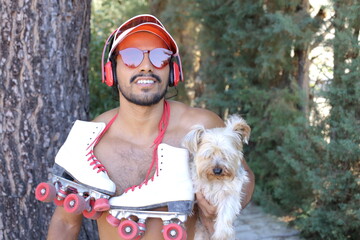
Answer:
(145, 84)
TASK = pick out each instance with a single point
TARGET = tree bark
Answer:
(43, 89)
(302, 57)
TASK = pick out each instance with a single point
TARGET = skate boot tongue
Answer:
(91, 155)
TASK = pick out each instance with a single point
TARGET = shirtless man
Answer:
(126, 148)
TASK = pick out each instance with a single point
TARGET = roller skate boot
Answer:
(79, 181)
(170, 187)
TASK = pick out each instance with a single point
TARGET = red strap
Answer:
(163, 124)
(97, 139)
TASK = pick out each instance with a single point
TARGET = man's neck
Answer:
(140, 120)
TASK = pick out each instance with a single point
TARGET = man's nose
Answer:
(146, 65)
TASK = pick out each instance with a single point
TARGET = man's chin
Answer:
(146, 101)
(145, 98)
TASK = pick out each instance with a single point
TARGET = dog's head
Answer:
(217, 152)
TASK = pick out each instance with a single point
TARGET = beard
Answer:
(143, 100)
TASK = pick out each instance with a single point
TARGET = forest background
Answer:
(290, 68)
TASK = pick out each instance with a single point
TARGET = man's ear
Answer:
(239, 125)
(193, 138)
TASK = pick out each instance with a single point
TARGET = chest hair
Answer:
(127, 164)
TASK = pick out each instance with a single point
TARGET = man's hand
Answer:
(207, 212)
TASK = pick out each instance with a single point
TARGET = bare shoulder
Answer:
(106, 116)
(188, 116)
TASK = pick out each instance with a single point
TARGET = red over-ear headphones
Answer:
(143, 22)
(175, 71)
(108, 75)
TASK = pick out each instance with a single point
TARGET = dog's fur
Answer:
(218, 173)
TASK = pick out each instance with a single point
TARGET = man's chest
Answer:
(128, 161)
(127, 164)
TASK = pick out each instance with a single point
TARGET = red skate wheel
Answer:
(74, 203)
(113, 221)
(128, 230)
(45, 192)
(174, 231)
(92, 214)
(185, 235)
(102, 204)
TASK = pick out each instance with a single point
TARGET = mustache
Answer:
(132, 79)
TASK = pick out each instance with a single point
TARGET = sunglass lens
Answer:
(159, 57)
(132, 57)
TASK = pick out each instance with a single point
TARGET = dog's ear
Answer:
(192, 140)
(240, 126)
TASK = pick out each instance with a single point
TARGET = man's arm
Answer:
(64, 225)
(249, 187)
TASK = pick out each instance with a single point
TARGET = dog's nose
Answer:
(217, 171)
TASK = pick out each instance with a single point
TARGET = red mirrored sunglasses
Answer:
(133, 57)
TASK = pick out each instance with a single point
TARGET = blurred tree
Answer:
(44, 60)
(252, 58)
(254, 63)
(335, 173)
(157, 6)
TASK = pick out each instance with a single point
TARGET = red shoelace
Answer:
(163, 124)
(92, 158)
(94, 161)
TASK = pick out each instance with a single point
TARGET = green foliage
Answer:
(336, 175)
(251, 47)
(250, 62)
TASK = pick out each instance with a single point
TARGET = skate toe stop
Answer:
(101, 205)
(113, 221)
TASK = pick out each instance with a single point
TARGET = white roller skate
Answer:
(171, 186)
(80, 182)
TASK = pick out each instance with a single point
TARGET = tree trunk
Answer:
(302, 57)
(303, 78)
(43, 89)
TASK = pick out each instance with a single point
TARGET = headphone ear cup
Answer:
(175, 71)
(109, 79)
(176, 74)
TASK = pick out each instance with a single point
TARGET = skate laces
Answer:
(164, 122)
(92, 158)
(94, 161)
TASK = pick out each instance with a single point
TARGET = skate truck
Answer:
(170, 187)
(79, 181)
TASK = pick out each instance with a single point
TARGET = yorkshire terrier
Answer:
(218, 172)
